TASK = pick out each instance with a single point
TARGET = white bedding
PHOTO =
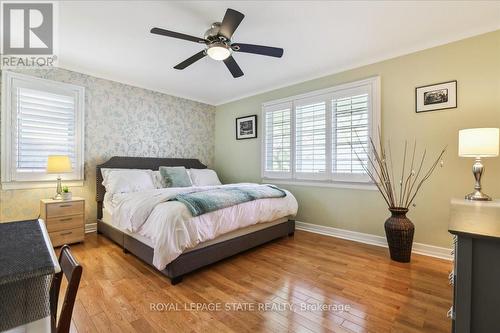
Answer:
(173, 229)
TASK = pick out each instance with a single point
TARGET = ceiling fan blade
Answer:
(191, 60)
(233, 67)
(173, 34)
(230, 22)
(258, 49)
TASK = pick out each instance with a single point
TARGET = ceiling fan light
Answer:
(218, 52)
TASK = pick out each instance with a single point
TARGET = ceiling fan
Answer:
(218, 43)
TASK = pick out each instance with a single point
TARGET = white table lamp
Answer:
(58, 164)
(477, 143)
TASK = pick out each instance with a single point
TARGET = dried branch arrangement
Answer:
(380, 169)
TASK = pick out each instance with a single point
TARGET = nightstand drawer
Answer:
(64, 209)
(69, 236)
(64, 223)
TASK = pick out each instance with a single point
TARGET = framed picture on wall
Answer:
(437, 96)
(246, 127)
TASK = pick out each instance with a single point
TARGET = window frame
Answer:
(373, 86)
(8, 179)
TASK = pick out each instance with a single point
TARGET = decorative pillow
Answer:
(158, 179)
(175, 176)
(127, 180)
(204, 177)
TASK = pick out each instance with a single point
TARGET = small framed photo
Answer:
(436, 96)
(246, 127)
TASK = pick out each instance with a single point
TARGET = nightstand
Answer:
(65, 220)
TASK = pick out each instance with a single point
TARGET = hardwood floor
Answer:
(119, 293)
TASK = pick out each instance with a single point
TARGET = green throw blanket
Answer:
(203, 202)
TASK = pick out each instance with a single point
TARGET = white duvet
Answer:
(173, 229)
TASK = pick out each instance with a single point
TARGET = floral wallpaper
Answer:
(126, 121)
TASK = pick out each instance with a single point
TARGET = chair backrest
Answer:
(73, 272)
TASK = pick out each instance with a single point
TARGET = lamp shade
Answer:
(58, 164)
(478, 142)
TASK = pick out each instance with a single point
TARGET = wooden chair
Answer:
(73, 272)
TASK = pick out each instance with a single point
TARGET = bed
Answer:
(204, 253)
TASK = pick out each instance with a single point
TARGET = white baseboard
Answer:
(427, 250)
(90, 227)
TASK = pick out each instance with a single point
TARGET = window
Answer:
(278, 129)
(321, 136)
(310, 139)
(39, 118)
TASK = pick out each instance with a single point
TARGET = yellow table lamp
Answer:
(58, 164)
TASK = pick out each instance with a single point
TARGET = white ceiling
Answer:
(111, 39)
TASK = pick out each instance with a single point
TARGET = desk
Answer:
(27, 264)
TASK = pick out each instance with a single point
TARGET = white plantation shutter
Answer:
(277, 141)
(46, 118)
(311, 138)
(330, 130)
(350, 133)
(45, 126)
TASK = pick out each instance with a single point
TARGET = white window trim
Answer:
(369, 186)
(338, 181)
(6, 136)
(39, 184)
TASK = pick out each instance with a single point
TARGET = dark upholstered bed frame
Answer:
(188, 261)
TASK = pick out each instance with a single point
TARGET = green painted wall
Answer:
(474, 62)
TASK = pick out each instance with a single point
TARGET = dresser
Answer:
(475, 277)
(65, 220)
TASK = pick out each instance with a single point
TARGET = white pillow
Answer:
(203, 177)
(125, 181)
(158, 179)
(106, 171)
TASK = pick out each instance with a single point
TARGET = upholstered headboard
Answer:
(153, 163)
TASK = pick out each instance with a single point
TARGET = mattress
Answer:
(107, 218)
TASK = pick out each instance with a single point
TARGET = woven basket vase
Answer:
(399, 232)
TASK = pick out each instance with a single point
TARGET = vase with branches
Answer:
(398, 193)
